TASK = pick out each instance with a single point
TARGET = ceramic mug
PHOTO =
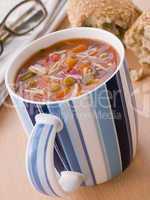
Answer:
(82, 141)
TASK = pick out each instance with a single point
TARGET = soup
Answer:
(66, 69)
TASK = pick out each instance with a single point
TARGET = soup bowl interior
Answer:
(50, 39)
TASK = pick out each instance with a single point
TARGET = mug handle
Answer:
(40, 159)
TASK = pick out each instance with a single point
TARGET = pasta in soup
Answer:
(66, 69)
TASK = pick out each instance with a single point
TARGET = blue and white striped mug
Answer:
(82, 141)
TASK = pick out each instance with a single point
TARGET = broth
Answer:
(66, 69)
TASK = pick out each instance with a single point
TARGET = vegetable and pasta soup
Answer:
(66, 69)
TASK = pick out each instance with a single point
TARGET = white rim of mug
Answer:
(12, 92)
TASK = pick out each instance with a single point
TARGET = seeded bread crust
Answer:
(137, 38)
(97, 12)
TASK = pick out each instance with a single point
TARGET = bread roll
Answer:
(113, 15)
(137, 38)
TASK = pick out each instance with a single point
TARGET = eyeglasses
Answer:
(22, 19)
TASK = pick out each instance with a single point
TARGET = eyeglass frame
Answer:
(2, 24)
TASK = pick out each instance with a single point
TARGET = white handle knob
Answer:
(70, 181)
(40, 159)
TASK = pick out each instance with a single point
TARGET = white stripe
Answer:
(76, 142)
(60, 157)
(90, 135)
(39, 108)
(23, 115)
(40, 161)
(130, 109)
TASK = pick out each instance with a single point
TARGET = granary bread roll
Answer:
(137, 38)
(113, 15)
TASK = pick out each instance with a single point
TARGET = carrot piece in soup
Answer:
(80, 48)
(70, 61)
(60, 95)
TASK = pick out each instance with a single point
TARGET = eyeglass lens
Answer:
(25, 17)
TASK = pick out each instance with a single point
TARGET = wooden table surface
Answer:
(133, 184)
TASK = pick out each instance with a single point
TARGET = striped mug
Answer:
(82, 141)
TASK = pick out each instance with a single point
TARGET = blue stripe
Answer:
(59, 148)
(126, 113)
(50, 127)
(32, 159)
(32, 110)
(59, 160)
(65, 141)
(117, 107)
(82, 140)
(59, 155)
(107, 129)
